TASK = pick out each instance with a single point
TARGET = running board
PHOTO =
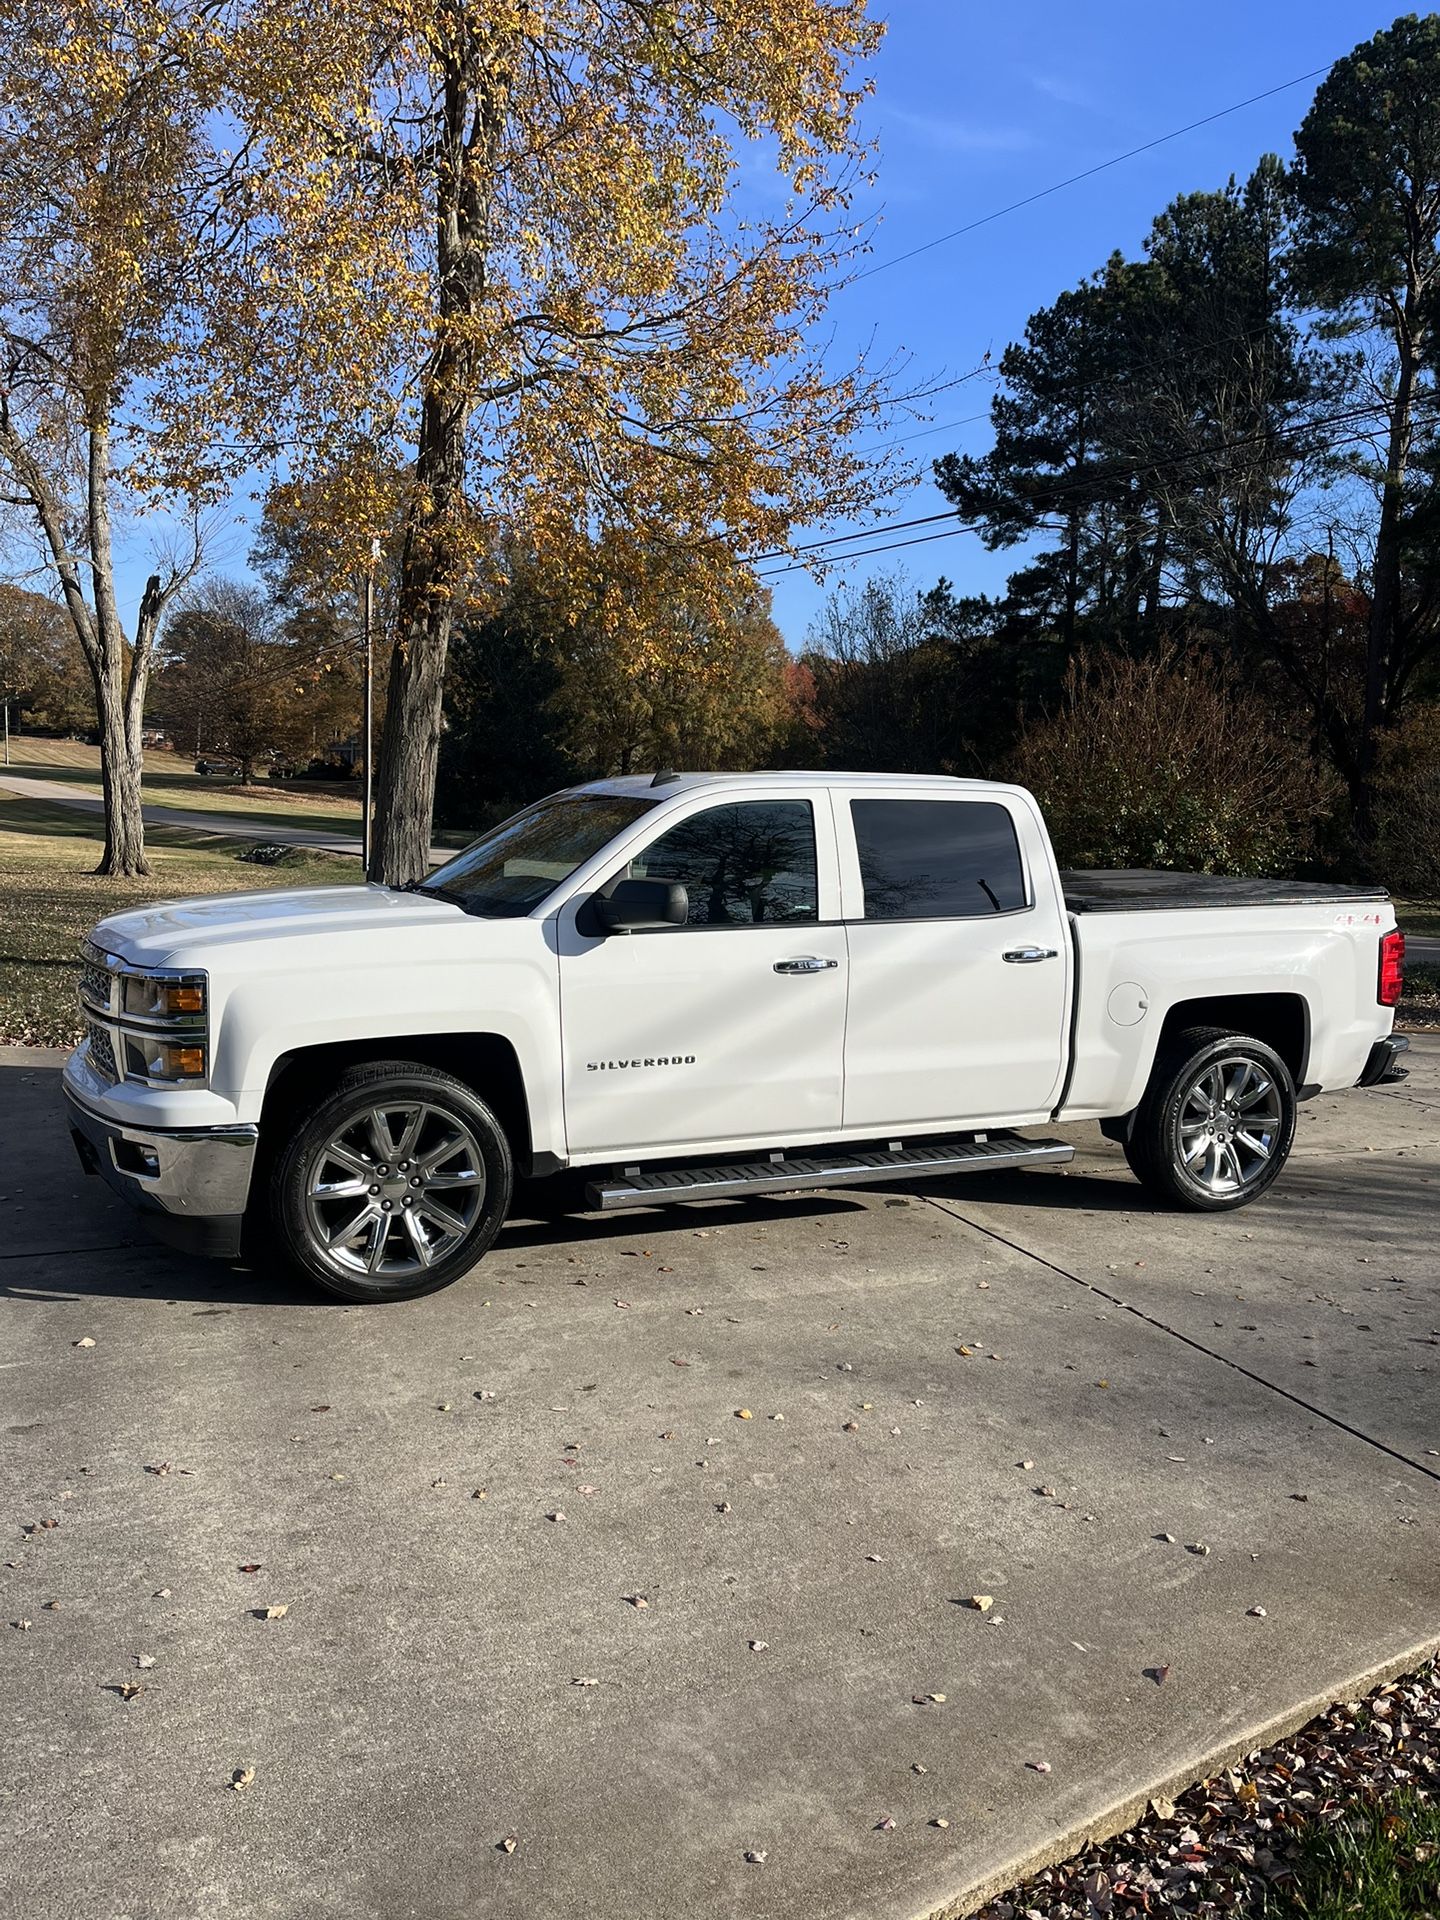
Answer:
(781, 1173)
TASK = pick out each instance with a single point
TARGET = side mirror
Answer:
(633, 905)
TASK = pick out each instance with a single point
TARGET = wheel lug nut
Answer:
(385, 1206)
(414, 1179)
(374, 1189)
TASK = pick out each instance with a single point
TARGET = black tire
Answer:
(1177, 1150)
(425, 1242)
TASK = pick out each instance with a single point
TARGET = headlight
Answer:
(162, 1059)
(158, 998)
(144, 1026)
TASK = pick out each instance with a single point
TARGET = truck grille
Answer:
(102, 1054)
(95, 983)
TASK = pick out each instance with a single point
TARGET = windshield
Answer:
(509, 871)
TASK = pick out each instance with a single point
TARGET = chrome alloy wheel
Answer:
(1229, 1124)
(394, 1190)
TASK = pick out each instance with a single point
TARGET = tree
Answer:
(106, 181)
(231, 676)
(635, 660)
(922, 682)
(1149, 423)
(528, 282)
(1368, 255)
(42, 672)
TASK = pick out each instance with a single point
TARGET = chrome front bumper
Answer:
(190, 1183)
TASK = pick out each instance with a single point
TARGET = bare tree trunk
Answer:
(1385, 608)
(477, 82)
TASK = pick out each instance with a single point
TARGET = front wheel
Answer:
(394, 1185)
(1216, 1123)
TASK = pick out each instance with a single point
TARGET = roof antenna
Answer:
(664, 777)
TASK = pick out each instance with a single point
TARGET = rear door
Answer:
(959, 962)
(729, 1029)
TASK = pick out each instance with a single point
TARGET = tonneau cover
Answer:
(1151, 890)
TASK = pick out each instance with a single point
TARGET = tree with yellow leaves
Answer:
(497, 248)
(111, 208)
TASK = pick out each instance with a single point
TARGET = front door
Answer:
(730, 1029)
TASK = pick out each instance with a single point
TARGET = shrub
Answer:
(1168, 761)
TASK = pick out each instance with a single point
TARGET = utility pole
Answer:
(369, 684)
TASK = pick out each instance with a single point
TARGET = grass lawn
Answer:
(1380, 1863)
(52, 899)
(170, 780)
(1420, 917)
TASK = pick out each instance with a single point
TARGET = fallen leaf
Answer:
(1247, 1790)
(936, 1699)
(917, 1766)
(636, 1600)
(161, 1593)
(981, 1602)
(1038, 1766)
(887, 1825)
(251, 1566)
(272, 1612)
(756, 1857)
(86, 1342)
(1158, 1674)
(508, 1844)
(479, 1494)
(758, 1646)
(50, 1606)
(128, 1689)
(723, 1506)
(22, 1626)
(557, 1515)
(241, 1779)
(851, 1426)
(321, 1409)
(1259, 1613)
(743, 1413)
(143, 1660)
(583, 1680)
(1199, 1548)
(159, 1468)
(940, 1823)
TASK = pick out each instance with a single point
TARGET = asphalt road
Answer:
(1013, 1386)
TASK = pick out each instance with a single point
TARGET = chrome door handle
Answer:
(807, 963)
(1027, 956)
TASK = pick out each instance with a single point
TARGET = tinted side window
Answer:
(937, 859)
(743, 865)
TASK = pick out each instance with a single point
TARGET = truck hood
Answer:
(152, 935)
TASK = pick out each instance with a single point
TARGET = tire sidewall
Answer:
(361, 1089)
(1167, 1117)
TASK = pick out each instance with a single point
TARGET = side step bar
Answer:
(783, 1173)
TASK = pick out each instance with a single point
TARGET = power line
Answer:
(1091, 389)
(1087, 173)
(1116, 471)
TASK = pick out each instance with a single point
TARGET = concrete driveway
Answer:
(1131, 1429)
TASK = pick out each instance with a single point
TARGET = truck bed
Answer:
(1151, 890)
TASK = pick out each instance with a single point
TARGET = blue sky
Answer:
(976, 107)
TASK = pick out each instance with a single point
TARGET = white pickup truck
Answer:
(691, 986)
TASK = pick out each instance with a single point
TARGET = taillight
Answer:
(1392, 969)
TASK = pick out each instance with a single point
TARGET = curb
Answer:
(1125, 1813)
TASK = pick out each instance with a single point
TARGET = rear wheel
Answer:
(1217, 1121)
(394, 1185)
